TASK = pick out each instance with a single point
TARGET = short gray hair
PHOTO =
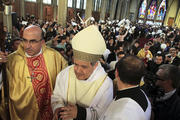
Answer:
(170, 72)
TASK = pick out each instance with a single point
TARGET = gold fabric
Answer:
(141, 54)
(81, 92)
(23, 104)
(85, 56)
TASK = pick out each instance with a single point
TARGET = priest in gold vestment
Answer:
(83, 90)
(31, 72)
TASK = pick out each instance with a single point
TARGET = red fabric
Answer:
(145, 58)
(41, 85)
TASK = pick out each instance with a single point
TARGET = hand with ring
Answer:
(3, 57)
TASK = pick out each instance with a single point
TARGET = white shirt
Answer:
(126, 109)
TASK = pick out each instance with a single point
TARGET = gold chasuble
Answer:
(82, 92)
(31, 82)
(41, 85)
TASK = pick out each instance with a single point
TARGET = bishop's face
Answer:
(83, 69)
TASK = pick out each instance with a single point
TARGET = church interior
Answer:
(149, 30)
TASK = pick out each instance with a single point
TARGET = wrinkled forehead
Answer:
(81, 62)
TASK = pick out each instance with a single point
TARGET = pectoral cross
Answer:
(31, 77)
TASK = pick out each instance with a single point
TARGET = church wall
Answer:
(171, 13)
(48, 12)
(31, 8)
(177, 22)
(16, 7)
(134, 6)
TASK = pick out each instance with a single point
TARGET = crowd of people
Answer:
(104, 70)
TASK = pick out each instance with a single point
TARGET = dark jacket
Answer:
(168, 109)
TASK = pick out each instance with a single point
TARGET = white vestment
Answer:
(126, 109)
(100, 101)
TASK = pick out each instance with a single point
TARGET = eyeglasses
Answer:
(159, 78)
(32, 42)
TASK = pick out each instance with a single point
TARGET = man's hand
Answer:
(3, 57)
(68, 112)
(57, 114)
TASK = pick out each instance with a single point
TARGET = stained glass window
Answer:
(70, 3)
(142, 9)
(84, 6)
(161, 10)
(78, 2)
(95, 5)
(31, 0)
(47, 1)
(152, 10)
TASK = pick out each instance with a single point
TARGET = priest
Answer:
(31, 73)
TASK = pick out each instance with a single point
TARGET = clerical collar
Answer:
(34, 55)
(167, 95)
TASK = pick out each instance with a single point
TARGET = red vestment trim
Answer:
(40, 81)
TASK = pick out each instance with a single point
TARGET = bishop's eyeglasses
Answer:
(32, 42)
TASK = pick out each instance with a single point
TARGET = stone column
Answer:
(62, 12)
(40, 9)
(74, 4)
(22, 10)
(7, 18)
(137, 10)
(103, 9)
(89, 9)
(127, 9)
(118, 15)
(54, 4)
(122, 9)
(113, 9)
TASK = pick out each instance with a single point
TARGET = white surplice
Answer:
(100, 101)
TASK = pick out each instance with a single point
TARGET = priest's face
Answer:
(83, 69)
(32, 40)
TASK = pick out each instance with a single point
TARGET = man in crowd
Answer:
(167, 107)
(3, 59)
(83, 90)
(145, 54)
(31, 73)
(152, 66)
(130, 102)
(172, 58)
(15, 43)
